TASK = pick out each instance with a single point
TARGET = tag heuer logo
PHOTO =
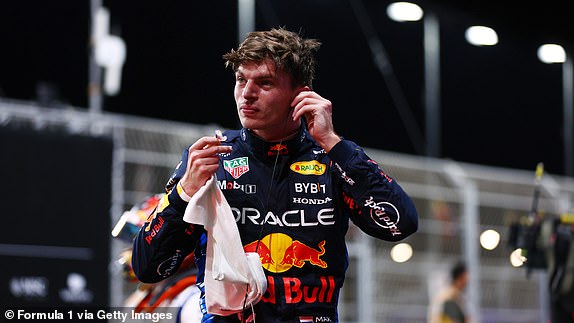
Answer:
(236, 167)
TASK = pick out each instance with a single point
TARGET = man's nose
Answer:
(249, 90)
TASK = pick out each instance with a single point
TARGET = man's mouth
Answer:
(248, 109)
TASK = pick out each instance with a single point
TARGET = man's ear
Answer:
(299, 90)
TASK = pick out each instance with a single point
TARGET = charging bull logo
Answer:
(277, 149)
(278, 253)
(298, 253)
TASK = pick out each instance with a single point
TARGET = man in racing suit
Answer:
(291, 182)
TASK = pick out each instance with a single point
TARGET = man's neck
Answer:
(277, 137)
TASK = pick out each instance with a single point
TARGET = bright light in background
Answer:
(489, 239)
(551, 53)
(401, 252)
(404, 11)
(481, 36)
(110, 52)
(516, 258)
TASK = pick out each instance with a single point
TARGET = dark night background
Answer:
(500, 105)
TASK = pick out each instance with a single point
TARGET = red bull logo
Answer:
(279, 252)
(298, 253)
(277, 149)
(263, 251)
(294, 291)
(154, 230)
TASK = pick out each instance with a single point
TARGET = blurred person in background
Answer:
(560, 259)
(547, 243)
(292, 183)
(178, 293)
(448, 305)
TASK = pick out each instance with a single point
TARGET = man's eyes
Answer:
(262, 83)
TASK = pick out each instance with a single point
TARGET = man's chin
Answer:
(251, 123)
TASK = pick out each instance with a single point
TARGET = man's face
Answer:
(263, 96)
(462, 281)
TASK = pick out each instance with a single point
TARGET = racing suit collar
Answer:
(271, 149)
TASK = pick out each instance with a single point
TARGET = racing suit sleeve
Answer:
(165, 240)
(379, 206)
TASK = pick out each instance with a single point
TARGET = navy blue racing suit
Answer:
(292, 203)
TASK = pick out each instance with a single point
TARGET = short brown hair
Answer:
(288, 50)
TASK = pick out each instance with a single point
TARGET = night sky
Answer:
(500, 105)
